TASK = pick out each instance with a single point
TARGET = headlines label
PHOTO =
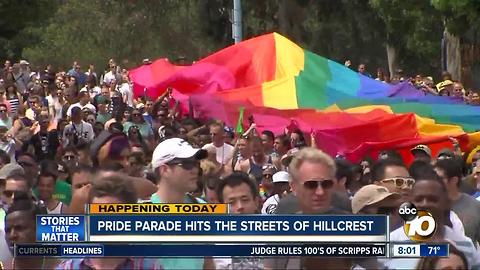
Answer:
(116, 209)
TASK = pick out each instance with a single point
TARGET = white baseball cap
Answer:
(175, 148)
(281, 177)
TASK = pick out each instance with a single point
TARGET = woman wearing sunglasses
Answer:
(136, 139)
(5, 119)
(136, 119)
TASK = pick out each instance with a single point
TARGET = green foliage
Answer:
(459, 15)
(17, 19)
(93, 31)
(415, 28)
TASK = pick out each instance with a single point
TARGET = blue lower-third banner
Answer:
(198, 250)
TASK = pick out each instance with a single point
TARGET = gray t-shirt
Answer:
(468, 210)
(289, 204)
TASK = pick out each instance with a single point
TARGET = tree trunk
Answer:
(454, 56)
(283, 21)
(392, 59)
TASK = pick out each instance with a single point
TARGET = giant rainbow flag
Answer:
(279, 83)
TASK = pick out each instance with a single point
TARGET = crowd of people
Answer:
(77, 137)
(446, 86)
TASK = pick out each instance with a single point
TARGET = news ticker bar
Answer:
(199, 250)
(226, 250)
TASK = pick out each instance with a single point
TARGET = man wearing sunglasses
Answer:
(177, 165)
(15, 185)
(312, 181)
(6, 172)
(392, 174)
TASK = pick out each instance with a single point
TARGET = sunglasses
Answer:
(313, 184)
(136, 114)
(186, 164)
(68, 157)
(401, 182)
(267, 176)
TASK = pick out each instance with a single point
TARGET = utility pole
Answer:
(237, 21)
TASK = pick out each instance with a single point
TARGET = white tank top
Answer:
(57, 210)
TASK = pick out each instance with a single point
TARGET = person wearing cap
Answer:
(422, 152)
(445, 86)
(281, 187)
(177, 164)
(445, 153)
(375, 199)
(78, 130)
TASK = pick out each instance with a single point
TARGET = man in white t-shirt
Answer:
(84, 102)
(430, 193)
(224, 150)
(111, 75)
(78, 131)
(280, 187)
(126, 91)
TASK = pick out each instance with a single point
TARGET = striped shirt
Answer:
(129, 263)
(14, 103)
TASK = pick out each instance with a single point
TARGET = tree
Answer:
(125, 30)
(412, 29)
(459, 17)
(16, 21)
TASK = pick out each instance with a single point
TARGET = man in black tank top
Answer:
(254, 165)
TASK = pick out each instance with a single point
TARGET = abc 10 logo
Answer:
(419, 224)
